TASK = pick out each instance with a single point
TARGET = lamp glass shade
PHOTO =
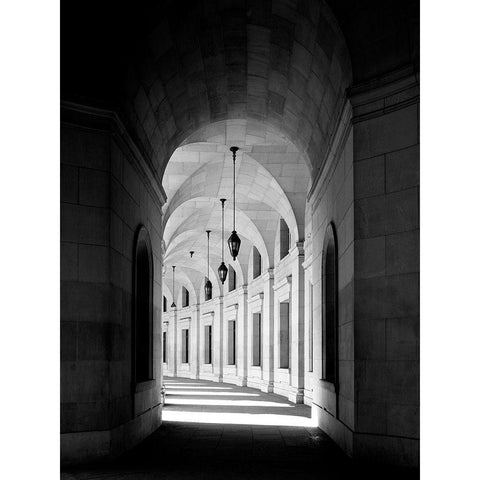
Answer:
(208, 290)
(234, 244)
(222, 272)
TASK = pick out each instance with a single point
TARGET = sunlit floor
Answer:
(206, 402)
(221, 431)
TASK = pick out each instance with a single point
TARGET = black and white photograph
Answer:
(236, 247)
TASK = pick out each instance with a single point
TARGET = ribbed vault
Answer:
(271, 178)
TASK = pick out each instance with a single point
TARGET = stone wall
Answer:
(105, 197)
(331, 202)
(386, 173)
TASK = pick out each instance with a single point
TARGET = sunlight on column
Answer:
(237, 418)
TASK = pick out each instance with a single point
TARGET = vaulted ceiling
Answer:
(191, 78)
(272, 179)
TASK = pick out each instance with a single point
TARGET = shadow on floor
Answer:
(220, 431)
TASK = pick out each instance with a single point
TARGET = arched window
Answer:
(232, 278)
(284, 238)
(185, 297)
(143, 308)
(330, 307)
(257, 263)
(164, 303)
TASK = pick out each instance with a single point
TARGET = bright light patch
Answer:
(224, 394)
(237, 418)
(181, 387)
(174, 384)
(230, 403)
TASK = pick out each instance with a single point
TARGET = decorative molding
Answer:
(335, 147)
(297, 249)
(186, 310)
(384, 94)
(256, 298)
(286, 281)
(228, 309)
(268, 274)
(107, 120)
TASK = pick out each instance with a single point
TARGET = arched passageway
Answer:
(330, 325)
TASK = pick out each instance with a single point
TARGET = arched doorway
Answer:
(330, 307)
(143, 308)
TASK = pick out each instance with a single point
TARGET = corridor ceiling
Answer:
(271, 183)
(191, 78)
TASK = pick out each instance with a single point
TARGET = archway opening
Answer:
(330, 308)
(143, 296)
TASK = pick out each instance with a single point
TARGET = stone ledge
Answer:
(387, 93)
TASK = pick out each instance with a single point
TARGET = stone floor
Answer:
(220, 431)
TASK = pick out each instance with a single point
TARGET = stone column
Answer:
(196, 341)
(309, 338)
(242, 336)
(268, 339)
(172, 338)
(297, 365)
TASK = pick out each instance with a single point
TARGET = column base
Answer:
(296, 395)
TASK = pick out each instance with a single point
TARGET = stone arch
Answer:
(142, 307)
(286, 65)
(183, 230)
(253, 183)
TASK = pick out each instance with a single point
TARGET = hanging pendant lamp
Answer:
(173, 303)
(234, 240)
(208, 283)
(222, 269)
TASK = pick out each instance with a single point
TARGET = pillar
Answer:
(297, 367)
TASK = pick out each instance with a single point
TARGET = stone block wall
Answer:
(104, 199)
(331, 201)
(386, 246)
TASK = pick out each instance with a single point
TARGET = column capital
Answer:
(268, 274)
(297, 249)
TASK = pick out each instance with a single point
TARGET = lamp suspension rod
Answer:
(208, 251)
(223, 221)
(234, 157)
